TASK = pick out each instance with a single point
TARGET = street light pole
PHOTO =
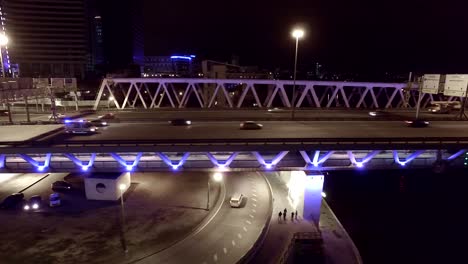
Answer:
(208, 196)
(297, 34)
(122, 187)
(3, 42)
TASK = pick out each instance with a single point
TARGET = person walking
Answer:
(292, 216)
(279, 216)
(296, 214)
(284, 214)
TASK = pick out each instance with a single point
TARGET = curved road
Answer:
(232, 231)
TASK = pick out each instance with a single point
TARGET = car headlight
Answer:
(35, 206)
(26, 207)
(92, 130)
(372, 113)
(188, 122)
(104, 123)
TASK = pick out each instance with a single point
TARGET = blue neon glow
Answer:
(192, 56)
(402, 163)
(84, 168)
(41, 168)
(67, 121)
(222, 166)
(175, 167)
(81, 121)
(268, 166)
(129, 167)
(359, 164)
(182, 57)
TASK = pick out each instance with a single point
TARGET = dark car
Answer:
(61, 186)
(99, 122)
(12, 201)
(107, 116)
(3, 112)
(34, 203)
(417, 123)
(180, 122)
(250, 125)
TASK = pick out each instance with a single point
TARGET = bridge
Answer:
(278, 146)
(149, 93)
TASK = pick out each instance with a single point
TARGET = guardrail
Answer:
(247, 144)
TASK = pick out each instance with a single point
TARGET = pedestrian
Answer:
(279, 216)
(284, 214)
(296, 214)
(292, 216)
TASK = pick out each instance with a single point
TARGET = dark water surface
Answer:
(403, 216)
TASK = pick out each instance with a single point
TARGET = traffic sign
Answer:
(456, 84)
(431, 83)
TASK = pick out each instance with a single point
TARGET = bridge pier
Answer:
(304, 192)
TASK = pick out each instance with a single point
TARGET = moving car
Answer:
(34, 203)
(99, 122)
(439, 109)
(378, 113)
(61, 186)
(80, 127)
(58, 115)
(236, 200)
(12, 201)
(250, 125)
(3, 112)
(417, 123)
(107, 116)
(180, 122)
(54, 200)
(275, 109)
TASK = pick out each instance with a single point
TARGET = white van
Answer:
(236, 200)
(79, 127)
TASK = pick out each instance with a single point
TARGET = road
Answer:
(161, 131)
(232, 231)
(15, 182)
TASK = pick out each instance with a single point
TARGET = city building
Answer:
(95, 55)
(171, 66)
(222, 70)
(47, 37)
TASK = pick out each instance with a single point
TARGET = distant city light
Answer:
(324, 194)
(182, 57)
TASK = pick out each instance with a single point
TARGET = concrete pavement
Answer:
(338, 247)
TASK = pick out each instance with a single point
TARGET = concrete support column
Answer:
(304, 193)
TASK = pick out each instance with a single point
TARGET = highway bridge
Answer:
(151, 93)
(222, 145)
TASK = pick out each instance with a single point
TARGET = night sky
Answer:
(359, 35)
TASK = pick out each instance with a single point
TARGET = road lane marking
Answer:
(215, 257)
(253, 199)
(254, 190)
(248, 222)
(253, 194)
(254, 205)
(225, 250)
(239, 236)
(254, 211)
(245, 228)
(251, 216)
(233, 243)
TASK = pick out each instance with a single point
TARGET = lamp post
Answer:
(297, 34)
(217, 177)
(3, 42)
(122, 188)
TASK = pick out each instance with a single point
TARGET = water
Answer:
(403, 216)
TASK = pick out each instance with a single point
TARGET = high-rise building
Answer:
(48, 38)
(95, 54)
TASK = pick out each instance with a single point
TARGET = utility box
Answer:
(106, 186)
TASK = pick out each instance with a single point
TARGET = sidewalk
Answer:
(338, 247)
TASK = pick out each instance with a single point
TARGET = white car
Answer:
(58, 116)
(236, 200)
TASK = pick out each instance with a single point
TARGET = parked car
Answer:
(180, 122)
(417, 123)
(12, 201)
(3, 112)
(34, 203)
(250, 125)
(54, 200)
(61, 186)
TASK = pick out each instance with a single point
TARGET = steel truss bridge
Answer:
(237, 160)
(151, 93)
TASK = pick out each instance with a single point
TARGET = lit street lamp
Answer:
(217, 177)
(297, 34)
(3, 42)
(111, 99)
(122, 188)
